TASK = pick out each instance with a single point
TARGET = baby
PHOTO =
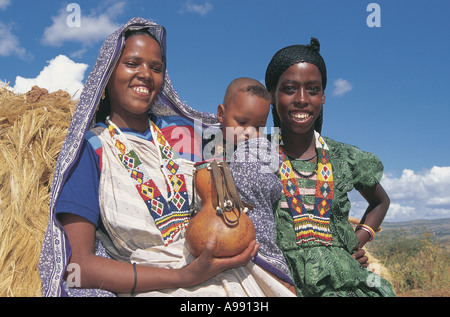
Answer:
(242, 115)
(244, 111)
(254, 165)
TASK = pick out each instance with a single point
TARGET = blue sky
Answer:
(386, 89)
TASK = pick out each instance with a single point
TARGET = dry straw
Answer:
(32, 131)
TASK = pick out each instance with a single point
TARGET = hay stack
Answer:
(32, 131)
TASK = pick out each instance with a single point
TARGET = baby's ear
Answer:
(220, 112)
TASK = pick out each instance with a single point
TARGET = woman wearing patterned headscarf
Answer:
(123, 185)
(317, 172)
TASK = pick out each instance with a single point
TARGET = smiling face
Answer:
(135, 82)
(299, 98)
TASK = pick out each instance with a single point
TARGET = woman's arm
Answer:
(376, 211)
(118, 277)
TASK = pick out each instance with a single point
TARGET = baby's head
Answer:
(244, 111)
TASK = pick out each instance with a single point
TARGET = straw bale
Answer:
(32, 131)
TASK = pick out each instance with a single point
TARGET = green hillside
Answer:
(417, 255)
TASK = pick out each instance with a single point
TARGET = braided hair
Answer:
(285, 58)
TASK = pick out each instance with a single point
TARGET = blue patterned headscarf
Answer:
(56, 249)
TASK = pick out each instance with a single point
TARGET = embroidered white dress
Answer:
(133, 235)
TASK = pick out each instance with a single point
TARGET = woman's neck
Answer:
(299, 146)
(138, 124)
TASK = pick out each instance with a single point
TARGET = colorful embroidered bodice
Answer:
(171, 214)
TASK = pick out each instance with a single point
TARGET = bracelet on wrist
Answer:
(367, 229)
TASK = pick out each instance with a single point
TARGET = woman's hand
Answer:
(360, 256)
(207, 266)
(118, 277)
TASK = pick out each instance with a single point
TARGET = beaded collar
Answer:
(171, 214)
(313, 226)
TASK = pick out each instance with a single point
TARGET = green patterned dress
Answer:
(330, 270)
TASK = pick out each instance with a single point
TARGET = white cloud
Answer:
(93, 27)
(9, 44)
(414, 195)
(61, 73)
(341, 87)
(191, 7)
(4, 4)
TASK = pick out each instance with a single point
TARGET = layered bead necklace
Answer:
(171, 214)
(313, 226)
(303, 160)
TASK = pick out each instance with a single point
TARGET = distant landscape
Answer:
(416, 254)
(440, 228)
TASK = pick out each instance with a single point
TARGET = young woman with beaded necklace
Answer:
(317, 172)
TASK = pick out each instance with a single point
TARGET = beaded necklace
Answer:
(171, 214)
(313, 226)
(303, 160)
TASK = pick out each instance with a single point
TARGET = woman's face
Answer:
(136, 80)
(299, 98)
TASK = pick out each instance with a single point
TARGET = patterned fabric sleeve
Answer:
(368, 170)
(364, 168)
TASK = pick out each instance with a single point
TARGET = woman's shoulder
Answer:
(364, 167)
(333, 144)
(92, 136)
(347, 151)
